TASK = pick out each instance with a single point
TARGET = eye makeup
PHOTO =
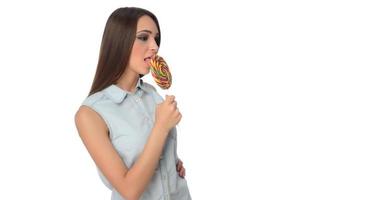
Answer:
(144, 37)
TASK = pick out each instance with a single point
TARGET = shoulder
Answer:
(153, 92)
(91, 100)
(84, 112)
(87, 116)
(87, 120)
(149, 86)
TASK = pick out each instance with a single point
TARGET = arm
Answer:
(130, 183)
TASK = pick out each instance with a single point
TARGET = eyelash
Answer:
(145, 38)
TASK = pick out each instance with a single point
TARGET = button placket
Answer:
(139, 103)
(164, 181)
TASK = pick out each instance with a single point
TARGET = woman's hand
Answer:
(167, 114)
(180, 169)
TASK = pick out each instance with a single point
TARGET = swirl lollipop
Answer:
(160, 72)
(162, 76)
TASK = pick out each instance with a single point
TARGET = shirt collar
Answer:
(117, 94)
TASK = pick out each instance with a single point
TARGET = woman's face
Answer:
(145, 46)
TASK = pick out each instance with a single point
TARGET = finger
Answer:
(174, 104)
(182, 173)
(171, 98)
(179, 118)
(180, 164)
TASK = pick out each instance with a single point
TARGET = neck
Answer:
(128, 82)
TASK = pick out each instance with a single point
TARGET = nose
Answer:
(153, 46)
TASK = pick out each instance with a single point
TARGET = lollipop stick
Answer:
(162, 76)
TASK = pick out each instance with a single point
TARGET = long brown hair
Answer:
(116, 45)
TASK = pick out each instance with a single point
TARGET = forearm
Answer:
(138, 176)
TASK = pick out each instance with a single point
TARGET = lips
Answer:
(148, 59)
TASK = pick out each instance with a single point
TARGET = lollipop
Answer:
(160, 72)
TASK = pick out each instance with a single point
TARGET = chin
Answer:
(147, 70)
(144, 73)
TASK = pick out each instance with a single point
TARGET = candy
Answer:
(160, 72)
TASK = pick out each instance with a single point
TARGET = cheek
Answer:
(136, 55)
(135, 47)
(138, 50)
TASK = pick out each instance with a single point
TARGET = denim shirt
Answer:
(130, 118)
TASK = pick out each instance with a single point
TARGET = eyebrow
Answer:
(147, 31)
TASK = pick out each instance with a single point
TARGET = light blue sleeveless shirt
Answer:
(130, 118)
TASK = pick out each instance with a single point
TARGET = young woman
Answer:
(126, 126)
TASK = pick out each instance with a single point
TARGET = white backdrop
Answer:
(276, 96)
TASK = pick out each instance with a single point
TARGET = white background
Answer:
(276, 96)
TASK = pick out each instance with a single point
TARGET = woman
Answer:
(126, 126)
